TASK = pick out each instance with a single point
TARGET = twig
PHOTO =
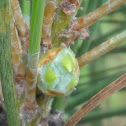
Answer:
(102, 49)
(29, 109)
(97, 99)
(92, 17)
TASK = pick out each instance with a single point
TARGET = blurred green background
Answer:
(98, 74)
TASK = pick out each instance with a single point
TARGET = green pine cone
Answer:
(58, 73)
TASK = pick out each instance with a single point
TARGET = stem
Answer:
(29, 110)
(20, 22)
(102, 49)
(92, 17)
(97, 99)
(6, 69)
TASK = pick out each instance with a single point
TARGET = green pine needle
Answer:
(36, 25)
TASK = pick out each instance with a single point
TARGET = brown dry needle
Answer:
(97, 99)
